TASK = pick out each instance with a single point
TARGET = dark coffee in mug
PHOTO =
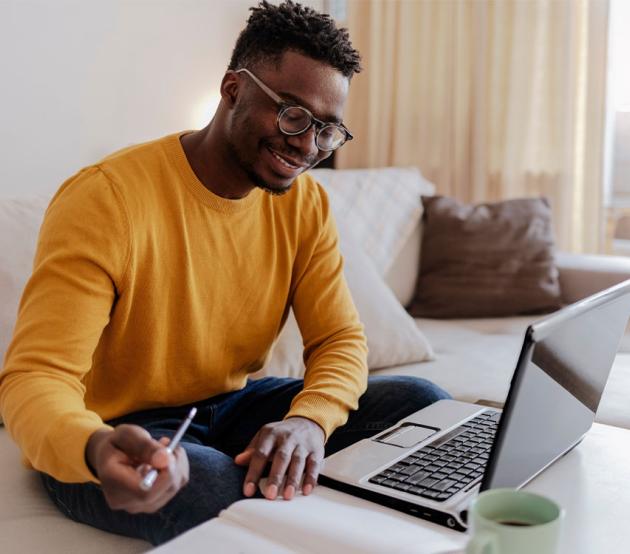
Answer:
(514, 523)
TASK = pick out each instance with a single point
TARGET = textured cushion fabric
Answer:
(401, 277)
(392, 335)
(380, 206)
(486, 260)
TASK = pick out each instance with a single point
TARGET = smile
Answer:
(289, 164)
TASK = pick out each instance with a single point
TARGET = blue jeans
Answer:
(223, 427)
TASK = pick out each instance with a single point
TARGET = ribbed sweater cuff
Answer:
(328, 414)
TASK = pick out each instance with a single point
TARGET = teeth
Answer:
(284, 162)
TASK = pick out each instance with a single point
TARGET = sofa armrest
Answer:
(584, 274)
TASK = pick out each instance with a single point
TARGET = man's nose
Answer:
(305, 142)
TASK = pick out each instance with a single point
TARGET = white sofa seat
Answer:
(30, 523)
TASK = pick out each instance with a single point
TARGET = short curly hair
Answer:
(272, 30)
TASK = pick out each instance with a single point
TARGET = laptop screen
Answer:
(557, 386)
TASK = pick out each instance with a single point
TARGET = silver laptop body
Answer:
(417, 465)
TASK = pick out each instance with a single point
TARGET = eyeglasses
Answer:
(294, 120)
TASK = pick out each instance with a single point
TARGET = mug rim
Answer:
(504, 491)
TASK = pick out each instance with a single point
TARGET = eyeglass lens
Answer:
(295, 120)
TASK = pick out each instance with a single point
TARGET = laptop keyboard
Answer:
(443, 468)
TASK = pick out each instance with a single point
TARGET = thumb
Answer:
(138, 444)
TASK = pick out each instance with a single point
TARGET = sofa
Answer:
(379, 219)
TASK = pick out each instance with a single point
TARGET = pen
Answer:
(149, 478)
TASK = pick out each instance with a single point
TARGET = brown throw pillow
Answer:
(486, 260)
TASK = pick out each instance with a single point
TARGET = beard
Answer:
(256, 179)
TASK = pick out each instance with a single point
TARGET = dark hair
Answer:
(272, 30)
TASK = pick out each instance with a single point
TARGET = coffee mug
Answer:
(507, 521)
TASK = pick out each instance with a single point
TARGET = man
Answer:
(162, 276)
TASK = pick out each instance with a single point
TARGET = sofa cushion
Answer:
(30, 522)
(392, 335)
(381, 206)
(486, 260)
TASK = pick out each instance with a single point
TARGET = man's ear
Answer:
(230, 88)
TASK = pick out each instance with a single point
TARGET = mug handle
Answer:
(480, 541)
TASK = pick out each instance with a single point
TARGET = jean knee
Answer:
(215, 483)
(429, 390)
(415, 392)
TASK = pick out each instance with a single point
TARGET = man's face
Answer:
(271, 159)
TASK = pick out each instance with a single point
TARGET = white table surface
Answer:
(592, 483)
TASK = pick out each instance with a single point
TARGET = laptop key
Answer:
(429, 494)
(417, 477)
(410, 470)
(428, 482)
(402, 486)
(443, 485)
(377, 479)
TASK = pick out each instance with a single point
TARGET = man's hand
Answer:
(116, 455)
(294, 447)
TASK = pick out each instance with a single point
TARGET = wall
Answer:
(81, 78)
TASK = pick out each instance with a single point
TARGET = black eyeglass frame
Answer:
(314, 122)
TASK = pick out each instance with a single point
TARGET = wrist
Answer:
(313, 423)
(92, 449)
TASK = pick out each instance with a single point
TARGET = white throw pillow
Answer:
(392, 335)
(381, 206)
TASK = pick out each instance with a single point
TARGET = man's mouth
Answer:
(289, 163)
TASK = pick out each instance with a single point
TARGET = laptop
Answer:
(433, 463)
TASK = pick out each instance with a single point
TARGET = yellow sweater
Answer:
(148, 290)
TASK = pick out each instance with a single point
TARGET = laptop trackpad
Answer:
(407, 435)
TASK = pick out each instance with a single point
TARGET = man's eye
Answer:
(328, 132)
(295, 114)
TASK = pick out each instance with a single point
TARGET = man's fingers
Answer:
(281, 460)
(262, 449)
(138, 444)
(313, 465)
(295, 473)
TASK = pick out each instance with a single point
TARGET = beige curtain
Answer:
(491, 99)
